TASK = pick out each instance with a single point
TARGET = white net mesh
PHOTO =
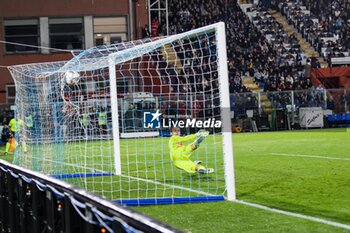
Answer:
(69, 129)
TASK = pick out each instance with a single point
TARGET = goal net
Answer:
(103, 119)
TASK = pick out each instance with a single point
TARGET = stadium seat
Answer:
(347, 117)
(338, 118)
(330, 118)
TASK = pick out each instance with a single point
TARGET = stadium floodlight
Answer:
(101, 120)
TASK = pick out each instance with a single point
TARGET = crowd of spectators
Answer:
(325, 24)
(311, 98)
(287, 68)
(274, 63)
(257, 47)
(197, 73)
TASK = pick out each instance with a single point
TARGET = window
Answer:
(109, 30)
(66, 33)
(10, 93)
(24, 31)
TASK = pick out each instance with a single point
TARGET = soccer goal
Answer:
(103, 119)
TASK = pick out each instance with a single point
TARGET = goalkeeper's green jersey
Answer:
(176, 139)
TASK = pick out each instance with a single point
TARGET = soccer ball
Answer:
(71, 77)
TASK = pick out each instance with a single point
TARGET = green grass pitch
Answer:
(277, 170)
(306, 172)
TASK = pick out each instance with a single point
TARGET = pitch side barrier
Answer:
(34, 202)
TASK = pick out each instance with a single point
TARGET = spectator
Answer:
(155, 27)
(307, 71)
(5, 134)
(145, 32)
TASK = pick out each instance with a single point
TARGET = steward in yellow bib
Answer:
(102, 121)
(15, 126)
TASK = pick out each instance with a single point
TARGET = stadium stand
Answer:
(289, 73)
(326, 26)
(249, 43)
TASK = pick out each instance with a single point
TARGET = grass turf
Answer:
(264, 174)
(231, 217)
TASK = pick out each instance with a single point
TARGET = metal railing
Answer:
(33, 202)
(280, 110)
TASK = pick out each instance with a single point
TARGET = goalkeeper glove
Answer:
(202, 133)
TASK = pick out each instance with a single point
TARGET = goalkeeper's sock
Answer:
(7, 147)
(197, 162)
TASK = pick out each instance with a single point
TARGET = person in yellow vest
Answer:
(15, 125)
(30, 126)
(102, 121)
(29, 121)
(85, 123)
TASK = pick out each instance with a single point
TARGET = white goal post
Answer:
(226, 115)
(82, 106)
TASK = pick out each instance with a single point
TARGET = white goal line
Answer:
(310, 156)
(168, 185)
(292, 214)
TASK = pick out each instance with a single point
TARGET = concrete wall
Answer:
(336, 75)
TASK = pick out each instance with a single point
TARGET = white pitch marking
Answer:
(314, 219)
(74, 165)
(168, 185)
(310, 218)
(310, 156)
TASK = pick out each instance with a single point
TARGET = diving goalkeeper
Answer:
(180, 152)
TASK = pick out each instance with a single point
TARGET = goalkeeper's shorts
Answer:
(181, 158)
(182, 153)
(186, 165)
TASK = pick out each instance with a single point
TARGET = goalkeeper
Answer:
(180, 153)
